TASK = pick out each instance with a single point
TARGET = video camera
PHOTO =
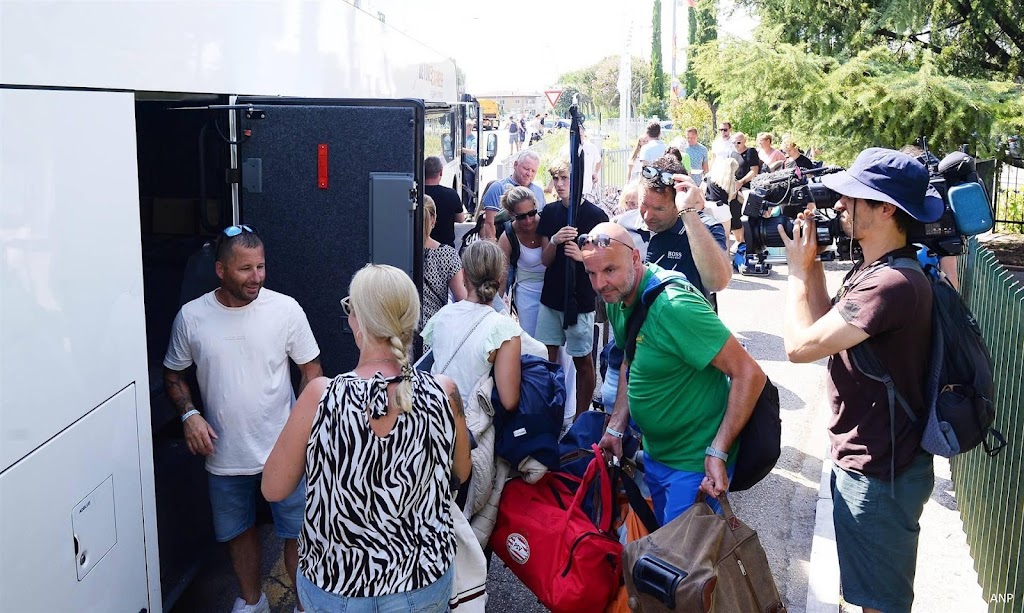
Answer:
(967, 208)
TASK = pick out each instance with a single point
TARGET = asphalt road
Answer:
(781, 508)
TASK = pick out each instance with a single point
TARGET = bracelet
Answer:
(189, 414)
(614, 432)
(721, 455)
(688, 209)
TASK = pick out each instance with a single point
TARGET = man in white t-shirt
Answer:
(240, 337)
(655, 147)
(723, 145)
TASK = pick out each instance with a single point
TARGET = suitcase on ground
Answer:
(701, 562)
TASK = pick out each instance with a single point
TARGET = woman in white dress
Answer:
(526, 275)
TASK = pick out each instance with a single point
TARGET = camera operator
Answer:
(881, 477)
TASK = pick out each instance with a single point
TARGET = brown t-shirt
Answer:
(894, 306)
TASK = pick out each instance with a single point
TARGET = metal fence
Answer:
(990, 494)
(1008, 197)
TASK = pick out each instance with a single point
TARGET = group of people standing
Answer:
(726, 171)
(364, 470)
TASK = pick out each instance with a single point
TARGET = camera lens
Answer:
(761, 233)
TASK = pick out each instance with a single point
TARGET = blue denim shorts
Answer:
(430, 599)
(877, 534)
(578, 339)
(674, 491)
(233, 500)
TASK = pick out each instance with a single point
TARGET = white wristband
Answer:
(614, 432)
(189, 414)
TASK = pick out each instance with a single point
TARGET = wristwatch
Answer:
(721, 455)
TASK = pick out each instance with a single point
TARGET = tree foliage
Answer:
(968, 37)
(654, 100)
(598, 86)
(686, 112)
(874, 99)
(705, 20)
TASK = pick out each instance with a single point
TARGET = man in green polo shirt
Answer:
(691, 386)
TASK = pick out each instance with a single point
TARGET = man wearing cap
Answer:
(881, 477)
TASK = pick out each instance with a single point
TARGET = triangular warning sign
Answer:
(553, 95)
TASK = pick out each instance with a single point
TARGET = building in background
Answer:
(517, 103)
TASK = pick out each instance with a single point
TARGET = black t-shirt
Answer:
(448, 206)
(716, 193)
(802, 161)
(749, 160)
(553, 218)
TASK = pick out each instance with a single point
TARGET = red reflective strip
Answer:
(321, 165)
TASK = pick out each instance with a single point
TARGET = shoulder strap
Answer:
(513, 240)
(463, 341)
(644, 300)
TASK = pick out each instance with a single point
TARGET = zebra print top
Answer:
(377, 519)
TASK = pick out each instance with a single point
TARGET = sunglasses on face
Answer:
(663, 177)
(603, 241)
(723, 129)
(231, 231)
(346, 305)
(522, 216)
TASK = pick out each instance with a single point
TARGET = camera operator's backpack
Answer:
(959, 390)
(761, 437)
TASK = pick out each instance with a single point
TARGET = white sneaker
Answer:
(262, 606)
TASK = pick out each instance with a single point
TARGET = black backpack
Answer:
(960, 387)
(761, 437)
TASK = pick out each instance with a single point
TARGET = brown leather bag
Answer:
(701, 562)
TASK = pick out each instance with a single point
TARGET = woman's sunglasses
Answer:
(346, 305)
(603, 241)
(522, 216)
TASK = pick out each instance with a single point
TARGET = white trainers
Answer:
(260, 607)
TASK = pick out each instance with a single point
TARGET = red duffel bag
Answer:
(569, 561)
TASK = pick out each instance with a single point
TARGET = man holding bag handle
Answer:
(677, 386)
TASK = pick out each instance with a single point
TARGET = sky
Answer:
(524, 46)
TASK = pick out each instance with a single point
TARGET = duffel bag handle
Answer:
(723, 500)
(599, 470)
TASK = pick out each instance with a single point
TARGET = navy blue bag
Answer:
(575, 448)
(533, 428)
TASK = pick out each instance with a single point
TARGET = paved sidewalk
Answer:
(946, 579)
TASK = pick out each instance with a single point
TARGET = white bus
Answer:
(131, 133)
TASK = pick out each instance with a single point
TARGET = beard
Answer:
(620, 295)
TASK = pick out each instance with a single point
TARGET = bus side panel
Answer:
(72, 318)
(72, 528)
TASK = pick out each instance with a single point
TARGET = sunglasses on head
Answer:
(603, 241)
(346, 305)
(231, 231)
(663, 177)
(522, 216)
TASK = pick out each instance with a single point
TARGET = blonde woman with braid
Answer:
(378, 447)
(469, 337)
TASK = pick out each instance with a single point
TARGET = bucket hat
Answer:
(889, 176)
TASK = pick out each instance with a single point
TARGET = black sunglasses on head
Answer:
(603, 241)
(663, 177)
(522, 216)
